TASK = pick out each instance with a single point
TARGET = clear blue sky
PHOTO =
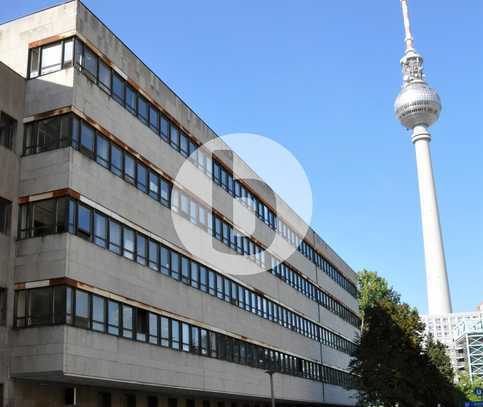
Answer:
(320, 77)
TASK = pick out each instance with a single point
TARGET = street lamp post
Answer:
(270, 373)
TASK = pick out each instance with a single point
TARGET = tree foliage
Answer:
(391, 363)
(467, 387)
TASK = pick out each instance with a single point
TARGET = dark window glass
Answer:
(172, 403)
(129, 169)
(116, 160)
(183, 143)
(165, 192)
(142, 181)
(203, 279)
(118, 85)
(5, 215)
(141, 325)
(175, 334)
(8, 128)
(165, 261)
(174, 138)
(164, 128)
(98, 313)
(82, 309)
(102, 151)
(84, 221)
(113, 317)
(39, 308)
(104, 77)
(153, 255)
(195, 339)
(104, 399)
(130, 400)
(114, 237)
(128, 246)
(59, 304)
(100, 230)
(127, 321)
(87, 139)
(141, 249)
(153, 328)
(185, 270)
(212, 282)
(165, 331)
(153, 185)
(143, 109)
(194, 275)
(152, 401)
(131, 99)
(185, 337)
(175, 265)
(90, 62)
(154, 118)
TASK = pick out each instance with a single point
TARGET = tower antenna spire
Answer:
(417, 107)
(407, 26)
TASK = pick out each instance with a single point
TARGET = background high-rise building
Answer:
(417, 107)
(101, 303)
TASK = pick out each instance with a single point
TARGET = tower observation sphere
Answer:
(417, 107)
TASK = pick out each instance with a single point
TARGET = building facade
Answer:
(446, 328)
(102, 304)
(469, 347)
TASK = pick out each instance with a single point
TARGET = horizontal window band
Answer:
(346, 283)
(78, 307)
(207, 208)
(244, 298)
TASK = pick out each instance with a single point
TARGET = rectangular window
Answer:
(34, 62)
(100, 230)
(127, 321)
(153, 255)
(39, 308)
(90, 63)
(204, 341)
(131, 99)
(8, 128)
(84, 217)
(165, 192)
(59, 304)
(164, 128)
(212, 282)
(185, 270)
(5, 216)
(153, 328)
(195, 340)
(195, 274)
(102, 151)
(140, 249)
(175, 343)
(164, 332)
(142, 177)
(219, 286)
(175, 265)
(98, 313)
(152, 401)
(141, 325)
(104, 77)
(116, 160)
(165, 261)
(203, 279)
(129, 168)
(51, 58)
(153, 185)
(118, 87)
(153, 118)
(184, 148)
(174, 138)
(114, 237)
(104, 399)
(213, 344)
(113, 317)
(128, 246)
(82, 309)
(130, 400)
(87, 139)
(185, 337)
(143, 109)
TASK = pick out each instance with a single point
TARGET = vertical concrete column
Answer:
(436, 276)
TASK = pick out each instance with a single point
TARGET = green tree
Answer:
(467, 387)
(438, 355)
(391, 364)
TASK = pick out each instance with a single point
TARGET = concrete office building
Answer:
(101, 304)
(444, 328)
(469, 347)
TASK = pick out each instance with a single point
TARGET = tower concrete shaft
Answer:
(418, 106)
(439, 301)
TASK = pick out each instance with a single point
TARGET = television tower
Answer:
(417, 107)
